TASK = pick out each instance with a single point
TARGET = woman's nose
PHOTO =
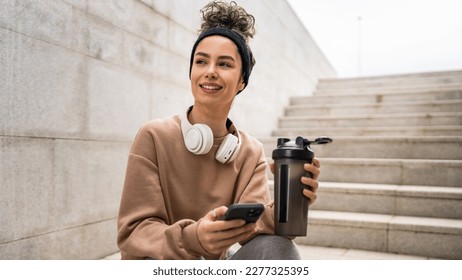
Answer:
(211, 72)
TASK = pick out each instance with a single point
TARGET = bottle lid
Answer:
(298, 149)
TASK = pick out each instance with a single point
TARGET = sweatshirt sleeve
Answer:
(144, 229)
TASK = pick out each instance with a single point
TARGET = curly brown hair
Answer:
(231, 16)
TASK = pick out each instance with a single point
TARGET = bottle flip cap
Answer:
(319, 141)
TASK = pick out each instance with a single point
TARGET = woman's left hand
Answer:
(312, 183)
(315, 169)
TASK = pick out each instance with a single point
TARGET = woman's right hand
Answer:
(217, 235)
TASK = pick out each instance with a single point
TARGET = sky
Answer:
(385, 37)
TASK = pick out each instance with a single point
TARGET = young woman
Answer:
(184, 171)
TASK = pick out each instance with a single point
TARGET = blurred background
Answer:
(379, 37)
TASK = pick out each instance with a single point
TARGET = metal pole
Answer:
(359, 45)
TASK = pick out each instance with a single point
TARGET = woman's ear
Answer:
(241, 84)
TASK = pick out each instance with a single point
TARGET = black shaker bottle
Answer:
(291, 206)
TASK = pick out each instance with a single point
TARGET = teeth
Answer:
(211, 87)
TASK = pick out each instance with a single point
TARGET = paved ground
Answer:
(325, 253)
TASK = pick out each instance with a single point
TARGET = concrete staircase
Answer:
(392, 179)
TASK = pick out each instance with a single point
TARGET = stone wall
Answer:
(79, 77)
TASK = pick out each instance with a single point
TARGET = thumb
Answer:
(216, 213)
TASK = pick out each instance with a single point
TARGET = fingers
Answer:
(312, 196)
(312, 184)
(217, 245)
(315, 169)
(310, 192)
(233, 235)
(316, 162)
(216, 236)
(216, 214)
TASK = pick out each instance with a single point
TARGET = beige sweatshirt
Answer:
(168, 189)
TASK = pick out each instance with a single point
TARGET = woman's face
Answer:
(216, 75)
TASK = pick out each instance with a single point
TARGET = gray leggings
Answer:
(265, 247)
(268, 247)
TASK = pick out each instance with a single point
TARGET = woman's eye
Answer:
(225, 64)
(200, 61)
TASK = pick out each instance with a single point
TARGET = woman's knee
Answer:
(268, 247)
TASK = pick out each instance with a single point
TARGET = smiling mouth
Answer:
(209, 87)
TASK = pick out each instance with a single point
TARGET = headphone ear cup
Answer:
(228, 149)
(199, 139)
(236, 151)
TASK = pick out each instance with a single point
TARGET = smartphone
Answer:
(250, 212)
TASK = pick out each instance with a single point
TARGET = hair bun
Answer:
(231, 16)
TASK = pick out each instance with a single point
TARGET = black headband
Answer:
(238, 41)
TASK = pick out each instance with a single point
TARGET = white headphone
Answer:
(198, 139)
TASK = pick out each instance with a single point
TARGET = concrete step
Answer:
(439, 77)
(328, 253)
(374, 108)
(415, 89)
(414, 147)
(353, 97)
(429, 237)
(390, 83)
(418, 201)
(446, 173)
(419, 172)
(334, 131)
(373, 120)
